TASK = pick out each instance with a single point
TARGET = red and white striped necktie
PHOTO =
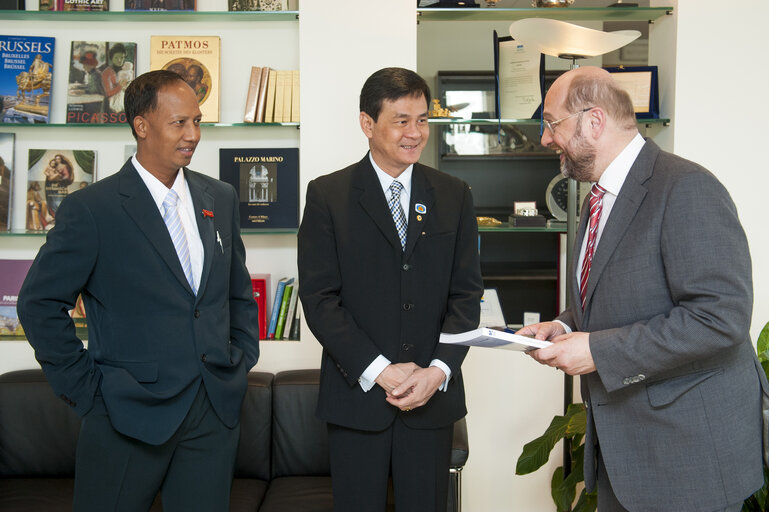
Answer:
(596, 205)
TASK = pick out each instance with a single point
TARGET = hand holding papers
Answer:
(485, 337)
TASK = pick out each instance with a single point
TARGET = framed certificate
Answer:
(641, 83)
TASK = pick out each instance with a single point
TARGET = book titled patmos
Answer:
(267, 182)
(196, 60)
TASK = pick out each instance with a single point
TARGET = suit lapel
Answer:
(630, 197)
(202, 200)
(422, 198)
(140, 206)
(373, 201)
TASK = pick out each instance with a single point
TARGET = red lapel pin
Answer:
(208, 213)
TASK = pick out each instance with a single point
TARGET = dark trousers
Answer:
(417, 459)
(193, 470)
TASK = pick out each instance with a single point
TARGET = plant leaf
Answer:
(562, 490)
(535, 453)
(763, 343)
(587, 502)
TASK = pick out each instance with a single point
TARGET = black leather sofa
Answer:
(282, 463)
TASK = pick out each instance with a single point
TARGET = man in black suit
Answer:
(155, 251)
(377, 298)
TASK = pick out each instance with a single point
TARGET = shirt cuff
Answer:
(368, 378)
(440, 364)
(566, 327)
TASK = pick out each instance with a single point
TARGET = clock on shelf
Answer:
(557, 197)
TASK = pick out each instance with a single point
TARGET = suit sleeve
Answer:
(707, 267)
(320, 285)
(463, 307)
(59, 273)
(244, 312)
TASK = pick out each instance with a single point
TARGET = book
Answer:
(99, 72)
(51, 5)
(249, 116)
(295, 96)
(294, 334)
(281, 77)
(12, 274)
(273, 5)
(12, 5)
(85, 5)
(242, 5)
(262, 97)
(269, 107)
(283, 312)
(53, 174)
(267, 183)
(260, 284)
(290, 314)
(494, 338)
(196, 60)
(276, 306)
(6, 172)
(26, 75)
(160, 5)
(491, 309)
(288, 84)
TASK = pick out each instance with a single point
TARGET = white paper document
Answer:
(485, 337)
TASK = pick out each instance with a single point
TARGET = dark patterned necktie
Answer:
(397, 211)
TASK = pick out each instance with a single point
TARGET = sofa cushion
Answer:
(299, 438)
(247, 494)
(29, 414)
(36, 494)
(253, 459)
(299, 494)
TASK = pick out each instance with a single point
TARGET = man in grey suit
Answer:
(661, 306)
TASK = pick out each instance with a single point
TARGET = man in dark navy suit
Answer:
(155, 251)
(388, 259)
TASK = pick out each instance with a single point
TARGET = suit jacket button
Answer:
(641, 377)
(197, 313)
(626, 381)
(406, 267)
(407, 307)
(203, 358)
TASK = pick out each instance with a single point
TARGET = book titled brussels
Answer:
(12, 274)
(196, 60)
(26, 75)
(6, 169)
(54, 174)
(99, 73)
(267, 182)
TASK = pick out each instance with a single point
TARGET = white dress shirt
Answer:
(369, 376)
(186, 211)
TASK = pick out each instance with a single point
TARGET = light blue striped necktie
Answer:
(178, 236)
(397, 211)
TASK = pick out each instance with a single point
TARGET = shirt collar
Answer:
(614, 176)
(156, 187)
(386, 180)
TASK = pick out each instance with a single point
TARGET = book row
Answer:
(273, 96)
(100, 72)
(266, 180)
(151, 5)
(284, 317)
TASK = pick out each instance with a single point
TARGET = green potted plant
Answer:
(759, 502)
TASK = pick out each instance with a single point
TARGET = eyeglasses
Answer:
(552, 124)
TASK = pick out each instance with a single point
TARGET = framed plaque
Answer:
(641, 83)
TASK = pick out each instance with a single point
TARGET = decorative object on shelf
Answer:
(6, 170)
(437, 111)
(641, 83)
(26, 75)
(551, 3)
(566, 40)
(54, 174)
(267, 183)
(99, 73)
(196, 60)
(528, 218)
(488, 221)
(518, 69)
(556, 197)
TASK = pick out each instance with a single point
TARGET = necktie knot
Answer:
(395, 188)
(171, 200)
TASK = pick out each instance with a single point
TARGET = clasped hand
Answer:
(409, 386)
(569, 352)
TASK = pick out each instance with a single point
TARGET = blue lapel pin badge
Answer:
(420, 208)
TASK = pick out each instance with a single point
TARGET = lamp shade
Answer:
(559, 39)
